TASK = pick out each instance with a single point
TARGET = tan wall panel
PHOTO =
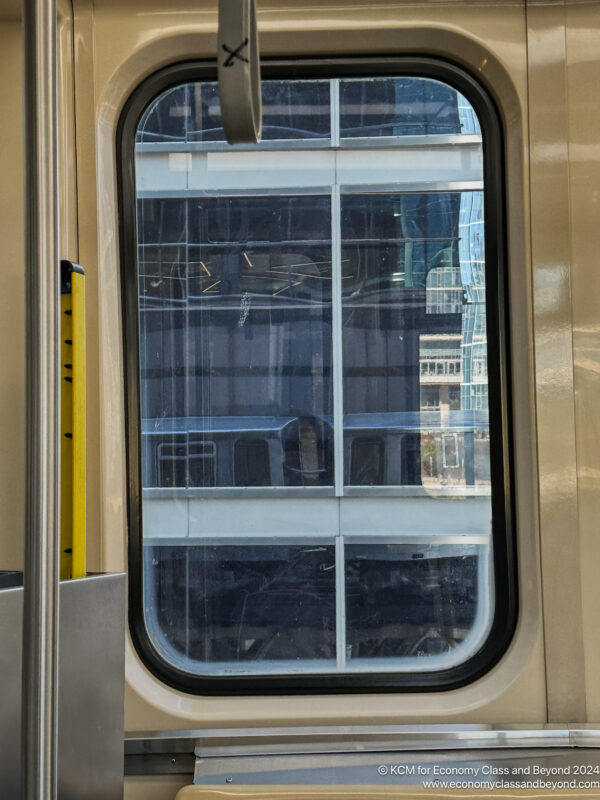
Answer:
(12, 291)
(10, 10)
(583, 35)
(66, 140)
(115, 51)
(372, 792)
(155, 787)
(548, 114)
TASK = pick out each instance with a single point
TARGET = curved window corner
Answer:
(317, 381)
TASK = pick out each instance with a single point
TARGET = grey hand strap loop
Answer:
(239, 71)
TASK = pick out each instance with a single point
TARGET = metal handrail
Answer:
(40, 613)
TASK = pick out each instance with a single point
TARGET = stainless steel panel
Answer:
(161, 764)
(11, 615)
(374, 756)
(91, 688)
(42, 400)
(241, 742)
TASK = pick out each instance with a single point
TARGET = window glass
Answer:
(235, 332)
(407, 315)
(403, 107)
(234, 608)
(313, 378)
(192, 113)
(394, 606)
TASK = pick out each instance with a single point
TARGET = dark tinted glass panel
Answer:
(402, 107)
(241, 603)
(185, 464)
(393, 241)
(409, 600)
(308, 448)
(172, 469)
(201, 464)
(192, 113)
(411, 273)
(367, 462)
(252, 463)
(235, 322)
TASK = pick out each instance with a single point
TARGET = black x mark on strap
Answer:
(235, 54)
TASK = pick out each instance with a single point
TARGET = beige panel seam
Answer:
(583, 30)
(67, 145)
(75, 188)
(12, 287)
(550, 237)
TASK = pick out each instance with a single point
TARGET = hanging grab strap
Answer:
(239, 71)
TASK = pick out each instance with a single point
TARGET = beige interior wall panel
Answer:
(551, 256)
(12, 291)
(372, 792)
(10, 10)
(66, 142)
(116, 49)
(84, 94)
(583, 35)
(154, 787)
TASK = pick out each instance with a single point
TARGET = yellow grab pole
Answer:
(79, 453)
(66, 424)
(72, 551)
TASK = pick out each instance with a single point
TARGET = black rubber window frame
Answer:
(501, 448)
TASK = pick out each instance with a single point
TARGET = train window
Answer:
(251, 465)
(403, 107)
(366, 462)
(186, 464)
(317, 389)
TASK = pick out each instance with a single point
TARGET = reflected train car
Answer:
(247, 452)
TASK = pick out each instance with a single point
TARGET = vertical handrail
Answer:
(66, 422)
(40, 611)
(73, 416)
(79, 423)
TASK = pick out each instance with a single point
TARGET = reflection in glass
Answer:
(403, 107)
(409, 600)
(413, 309)
(192, 113)
(240, 603)
(235, 331)
(313, 382)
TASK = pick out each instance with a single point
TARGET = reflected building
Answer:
(471, 248)
(453, 369)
